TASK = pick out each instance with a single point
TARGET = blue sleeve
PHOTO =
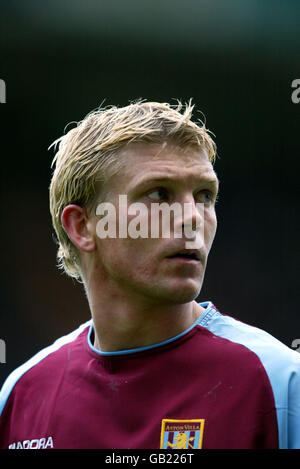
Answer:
(282, 366)
(293, 417)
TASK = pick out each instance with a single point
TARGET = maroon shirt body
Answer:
(75, 397)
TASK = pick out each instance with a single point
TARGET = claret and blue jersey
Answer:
(219, 384)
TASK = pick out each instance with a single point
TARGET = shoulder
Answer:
(44, 360)
(259, 341)
(273, 354)
(280, 363)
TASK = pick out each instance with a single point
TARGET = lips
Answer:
(188, 254)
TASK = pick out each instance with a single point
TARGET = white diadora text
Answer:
(42, 443)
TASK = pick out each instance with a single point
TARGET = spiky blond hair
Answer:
(88, 155)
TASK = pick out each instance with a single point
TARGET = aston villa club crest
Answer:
(181, 434)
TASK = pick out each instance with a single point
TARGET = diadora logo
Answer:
(42, 443)
(182, 434)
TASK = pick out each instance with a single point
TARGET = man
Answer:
(152, 368)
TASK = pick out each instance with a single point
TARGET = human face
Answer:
(147, 266)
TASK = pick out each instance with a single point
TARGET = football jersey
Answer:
(220, 384)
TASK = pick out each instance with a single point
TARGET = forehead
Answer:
(144, 161)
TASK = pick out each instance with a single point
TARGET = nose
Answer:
(191, 225)
(193, 214)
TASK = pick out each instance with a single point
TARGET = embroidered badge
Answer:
(181, 434)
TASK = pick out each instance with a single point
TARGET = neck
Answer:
(122, 321)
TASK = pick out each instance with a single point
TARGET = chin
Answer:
(179, 294)
(183, 296)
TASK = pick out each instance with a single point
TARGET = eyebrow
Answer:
(168, 178)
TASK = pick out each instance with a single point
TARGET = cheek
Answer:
(210, 228)
(126, 258)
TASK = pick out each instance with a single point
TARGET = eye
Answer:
(205, 197)
(158, 194)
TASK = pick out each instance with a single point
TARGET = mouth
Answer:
(186, 256)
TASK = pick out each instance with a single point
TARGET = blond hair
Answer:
(88, 155)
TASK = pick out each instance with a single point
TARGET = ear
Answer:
(76, 224)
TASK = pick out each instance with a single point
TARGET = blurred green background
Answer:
(236, 59)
